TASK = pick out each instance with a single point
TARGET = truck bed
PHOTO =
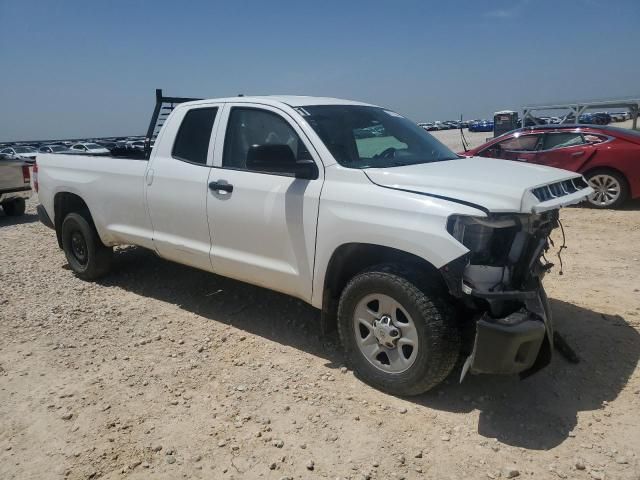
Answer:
(11, 176)
(111, 186)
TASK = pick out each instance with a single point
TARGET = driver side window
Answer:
(522, 143)
(249, 128)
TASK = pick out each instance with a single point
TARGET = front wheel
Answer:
(397, 332)
(88, 257)
(610, 189)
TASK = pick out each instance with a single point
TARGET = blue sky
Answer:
(89, 68)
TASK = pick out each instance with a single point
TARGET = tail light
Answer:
(35, 176)
(26, 175)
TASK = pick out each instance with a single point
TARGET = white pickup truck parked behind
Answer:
(15, 184)
(347, 206)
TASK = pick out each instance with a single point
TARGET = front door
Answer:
(264, 224)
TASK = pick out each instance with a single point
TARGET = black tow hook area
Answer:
(509, 345)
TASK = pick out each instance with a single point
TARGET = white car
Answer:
(385, 235)
(136, 144)
(619, 116)
(22, 152)
(92, 148)
(53, 149)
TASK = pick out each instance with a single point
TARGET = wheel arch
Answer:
(349, 259)
(65, 203)
(590, 169)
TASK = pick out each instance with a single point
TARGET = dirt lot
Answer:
(162, 371)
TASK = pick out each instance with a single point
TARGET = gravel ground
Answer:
(164, 371)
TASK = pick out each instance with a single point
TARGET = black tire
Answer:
(425, 301)
(88, 257)
(624, 188)
(15, 207)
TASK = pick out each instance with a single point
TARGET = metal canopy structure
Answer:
(576, 109)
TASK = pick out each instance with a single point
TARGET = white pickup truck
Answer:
(15, 184)
(402, 244)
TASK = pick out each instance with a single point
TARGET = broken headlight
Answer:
(476, 233)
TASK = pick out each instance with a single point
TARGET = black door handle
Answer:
(217, 186)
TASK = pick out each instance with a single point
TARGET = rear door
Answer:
(176, 185)
(263, 224)
(567, 150)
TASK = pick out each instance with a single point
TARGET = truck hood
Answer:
(489, 184)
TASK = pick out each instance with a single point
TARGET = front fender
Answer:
(361, 212)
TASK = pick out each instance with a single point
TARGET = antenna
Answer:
(465, 144)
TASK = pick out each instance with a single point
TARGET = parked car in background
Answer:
(608, 157)
(15, 184)
(136, 144)
(619, 116)
(108, 145)
(598, 118)
(53, 149)
(92, 148)
(27, 153)
(481, 126)
(531, 122)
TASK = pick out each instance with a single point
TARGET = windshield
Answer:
(92, 146)
(23, 149)
(372, 137)
(58, 148)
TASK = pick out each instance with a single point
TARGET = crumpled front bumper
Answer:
(516, 343)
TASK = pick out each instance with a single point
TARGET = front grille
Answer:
(559, 189)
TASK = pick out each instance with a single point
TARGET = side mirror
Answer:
(279, 158)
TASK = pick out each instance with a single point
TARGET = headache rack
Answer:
(164, 106)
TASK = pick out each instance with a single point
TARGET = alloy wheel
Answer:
(607, 190)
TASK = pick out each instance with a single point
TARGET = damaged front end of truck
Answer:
(499, 280)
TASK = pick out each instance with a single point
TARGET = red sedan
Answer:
(608, 157)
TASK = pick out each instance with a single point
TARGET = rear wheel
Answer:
(15, 207)
(610, 189)
(397, 333)
(88, 257)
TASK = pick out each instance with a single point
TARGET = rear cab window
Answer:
(192, 140)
